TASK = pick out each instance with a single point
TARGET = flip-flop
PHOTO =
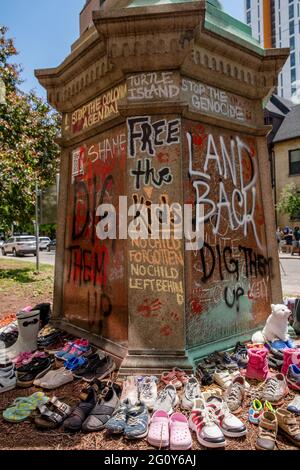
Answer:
(22, 407)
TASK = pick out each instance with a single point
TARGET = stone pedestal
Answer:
(162, 104)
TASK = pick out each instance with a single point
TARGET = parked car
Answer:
(51, 246)
(20, 245)
(44, 242)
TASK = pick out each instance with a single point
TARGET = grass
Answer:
(18, 278)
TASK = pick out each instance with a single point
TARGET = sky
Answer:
(44, 31)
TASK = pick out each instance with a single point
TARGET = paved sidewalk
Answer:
(290, 275)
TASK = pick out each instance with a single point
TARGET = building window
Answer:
(292, 28)
(292, 43)
(248, 17)
(293, 75)
(248, 4)
(281, 80)
(293, 90)
(293, 59)
(294, 162)
(291, 11)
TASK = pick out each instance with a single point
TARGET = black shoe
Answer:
(204, 375)
(36, 371)
(81, 412)
(88, 370)
(34, 364)
(98, 366)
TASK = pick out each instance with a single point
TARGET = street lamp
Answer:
(37, 227)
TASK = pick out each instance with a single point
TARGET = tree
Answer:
(28, 152)
(289, 202)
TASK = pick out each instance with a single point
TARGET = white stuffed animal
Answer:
(276, 326)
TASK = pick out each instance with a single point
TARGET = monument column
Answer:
(155, 260)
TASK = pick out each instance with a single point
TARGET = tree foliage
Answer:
(28, 152)
(289, 202)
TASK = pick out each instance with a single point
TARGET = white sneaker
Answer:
(202, 422)
(130, 391)
(8, 382)
(224, 379)
(148, 391)
(191, 392)
(167, 400)
(230, 425)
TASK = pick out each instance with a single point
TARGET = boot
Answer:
(45, 313)
(290, 356)
(257, 367)
(28, 326)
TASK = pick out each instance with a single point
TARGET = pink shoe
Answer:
(158, 435)
(18, 361)
(290, 356)
(33, 356)
(180, 435)
(257, 367)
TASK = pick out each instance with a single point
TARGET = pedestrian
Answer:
(288, 237)
(296, 241)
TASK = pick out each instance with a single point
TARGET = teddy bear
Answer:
(276, 327)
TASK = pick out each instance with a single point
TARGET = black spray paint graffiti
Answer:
(144, 135)
(89, 267)
(99, 308)
(145, 174)
(256, 265)
(223, 260)
(233, 162)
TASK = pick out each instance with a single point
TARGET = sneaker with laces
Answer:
(234, 395)
(130, 391)
(229, 424)
(275, 389)
(167, 400)
(191, 392)
(267, 431)
(240, 355)
(137, 422)
(148, 391)
(202, 421)
(117, 423)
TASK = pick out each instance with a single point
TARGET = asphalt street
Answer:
(289, 268)
(45, 258)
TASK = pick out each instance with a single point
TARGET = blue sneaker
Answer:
(117, 423)
(137, 422)
(278, 344)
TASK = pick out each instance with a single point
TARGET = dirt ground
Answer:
(19, 286)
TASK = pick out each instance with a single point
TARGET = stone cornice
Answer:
(162, 37)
